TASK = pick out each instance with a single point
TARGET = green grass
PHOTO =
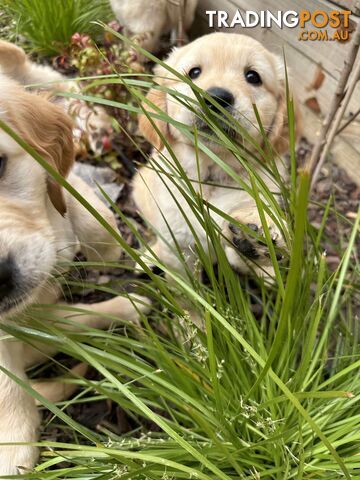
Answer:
(48, 25)
(269, 398)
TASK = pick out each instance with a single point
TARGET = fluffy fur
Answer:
(224, 59)
(90, 122)
(40, 225)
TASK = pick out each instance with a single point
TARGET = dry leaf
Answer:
(342, 28)
(318, 79)
(313, 104)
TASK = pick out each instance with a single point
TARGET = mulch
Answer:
(333, 182)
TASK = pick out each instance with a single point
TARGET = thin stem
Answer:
(335, 124)
(335, 103)
(347, 123)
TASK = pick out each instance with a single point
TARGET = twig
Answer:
(347, 123)
(335, 104)
(181, 28)
(335, 125)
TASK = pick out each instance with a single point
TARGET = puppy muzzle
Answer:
(215, 102)
(27, 256)
(14, 288)
(7, 278)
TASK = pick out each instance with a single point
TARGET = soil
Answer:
(332, 182)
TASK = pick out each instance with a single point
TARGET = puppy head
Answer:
(27, 242)
(237, 72)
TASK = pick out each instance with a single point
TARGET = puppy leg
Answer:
(55, 390)
(119, 307)
(247, 253)
(160, 251)
(169, 257)
(96, 242)
(97, 317)
(19, 419)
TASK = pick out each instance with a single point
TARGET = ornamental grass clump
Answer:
(229, 377)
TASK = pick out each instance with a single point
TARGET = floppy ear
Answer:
(279, 134)
(158, 98)
(48, 130)
(146, 127)
(279, 130)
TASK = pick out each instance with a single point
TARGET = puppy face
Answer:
(27, 243)
(237, 72)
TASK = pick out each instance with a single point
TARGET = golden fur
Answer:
(48, 131)
(90, 122)
(224, 59)
(41, 225)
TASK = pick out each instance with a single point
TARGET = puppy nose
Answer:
(223, 97)
(6, 277)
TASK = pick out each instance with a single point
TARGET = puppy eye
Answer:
(195, 73)
(3, 160)
(253, 77)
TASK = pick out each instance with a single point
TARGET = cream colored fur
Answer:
(223, 59)
(41, 225)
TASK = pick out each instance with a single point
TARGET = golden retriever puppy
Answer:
(154, 18)
(40, 226)
(236, 71)
(91, 122)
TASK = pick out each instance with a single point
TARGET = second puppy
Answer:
(42, 227)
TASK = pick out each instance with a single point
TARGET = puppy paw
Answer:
(145, 259)
(249, 252)
(16, 460)
(151, 257)
(129, 309)
(19, 423)
(142, 304)
(56, 390)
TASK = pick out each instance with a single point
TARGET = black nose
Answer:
(6, 277)
(223, 97)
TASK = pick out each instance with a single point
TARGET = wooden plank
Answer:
(353, 5)
(347, 158)
(343, 152)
